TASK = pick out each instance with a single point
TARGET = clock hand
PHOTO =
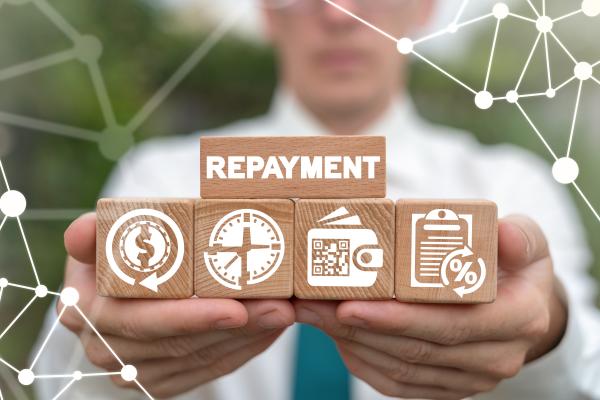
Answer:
(247, 244)
(258, 246)
(230, 262)
(225, 249)
(243, 252)
(237, 249)
(246, 236)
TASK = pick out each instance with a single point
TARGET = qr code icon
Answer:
(331, 257)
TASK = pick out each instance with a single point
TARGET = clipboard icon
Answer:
(433, 237)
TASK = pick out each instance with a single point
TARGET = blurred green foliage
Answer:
(236, 80)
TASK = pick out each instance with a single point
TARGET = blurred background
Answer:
(57, 148)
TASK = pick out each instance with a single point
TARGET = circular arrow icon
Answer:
(144, 245)
(453, 262)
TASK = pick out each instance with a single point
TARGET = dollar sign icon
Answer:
(146, 248)
(148, 242)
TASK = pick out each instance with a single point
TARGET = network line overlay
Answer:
(565, 169)
(12, 205)
(113, 142)
(118, 138)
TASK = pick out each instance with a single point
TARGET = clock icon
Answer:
(246, 247)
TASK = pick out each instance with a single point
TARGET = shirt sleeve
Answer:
(572, 369)
(140, 173)
(64, 355)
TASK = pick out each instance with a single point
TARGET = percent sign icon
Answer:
(463, 270)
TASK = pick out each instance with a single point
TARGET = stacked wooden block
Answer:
(297, 216)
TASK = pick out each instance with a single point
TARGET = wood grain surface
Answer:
(376, 215)
(417, 285)
(108, 283)
(209, 212)
(294, 187)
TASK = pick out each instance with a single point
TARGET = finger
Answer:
(183, 382)
(266, 315)
(418, 374)
(81, 277)
(317, 313)
(146, 319)
(494, 359)
(134, 351)
(521, 242)
(154, 319)
(446, 324)
(392, 388)
(156, 370)
(80, 238)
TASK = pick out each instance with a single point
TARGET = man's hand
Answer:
(453, 351)
(175, 345)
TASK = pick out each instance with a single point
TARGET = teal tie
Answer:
(320, 372)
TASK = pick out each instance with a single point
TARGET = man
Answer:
(338, 77)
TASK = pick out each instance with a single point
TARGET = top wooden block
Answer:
(292, 167)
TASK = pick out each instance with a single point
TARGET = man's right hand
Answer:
(176, 345)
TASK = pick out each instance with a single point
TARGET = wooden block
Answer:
(344, 249)
(243, 248)
(144, 248)
(289, 167)
(446, 251)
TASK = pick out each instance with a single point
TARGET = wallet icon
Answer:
(343, 254)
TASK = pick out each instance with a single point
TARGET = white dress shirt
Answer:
(423, 161)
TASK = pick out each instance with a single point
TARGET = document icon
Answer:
(441, 252)
(434, 236)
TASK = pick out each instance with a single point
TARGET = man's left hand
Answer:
(452, 351)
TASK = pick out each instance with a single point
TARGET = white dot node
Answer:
(405, 46)
(115, 142)
(41, 291)
(550, 93)
(500, 10)
(512, 96)
(128, 373)
(591, 8)
(12, 203)
(544, 24)
(88, 49)
(452, 28)
(583, 71)
(3, 283)
(565, 170)
(484, 100)
(77, 375)
(69, 296)
(26, 377)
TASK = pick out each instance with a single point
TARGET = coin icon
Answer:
(145, 241)
(145, 246)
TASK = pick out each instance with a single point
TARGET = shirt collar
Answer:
(291, 118)
(400, 124)
(288, 111)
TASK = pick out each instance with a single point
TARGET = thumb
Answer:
(80, 239)
(521, 242)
